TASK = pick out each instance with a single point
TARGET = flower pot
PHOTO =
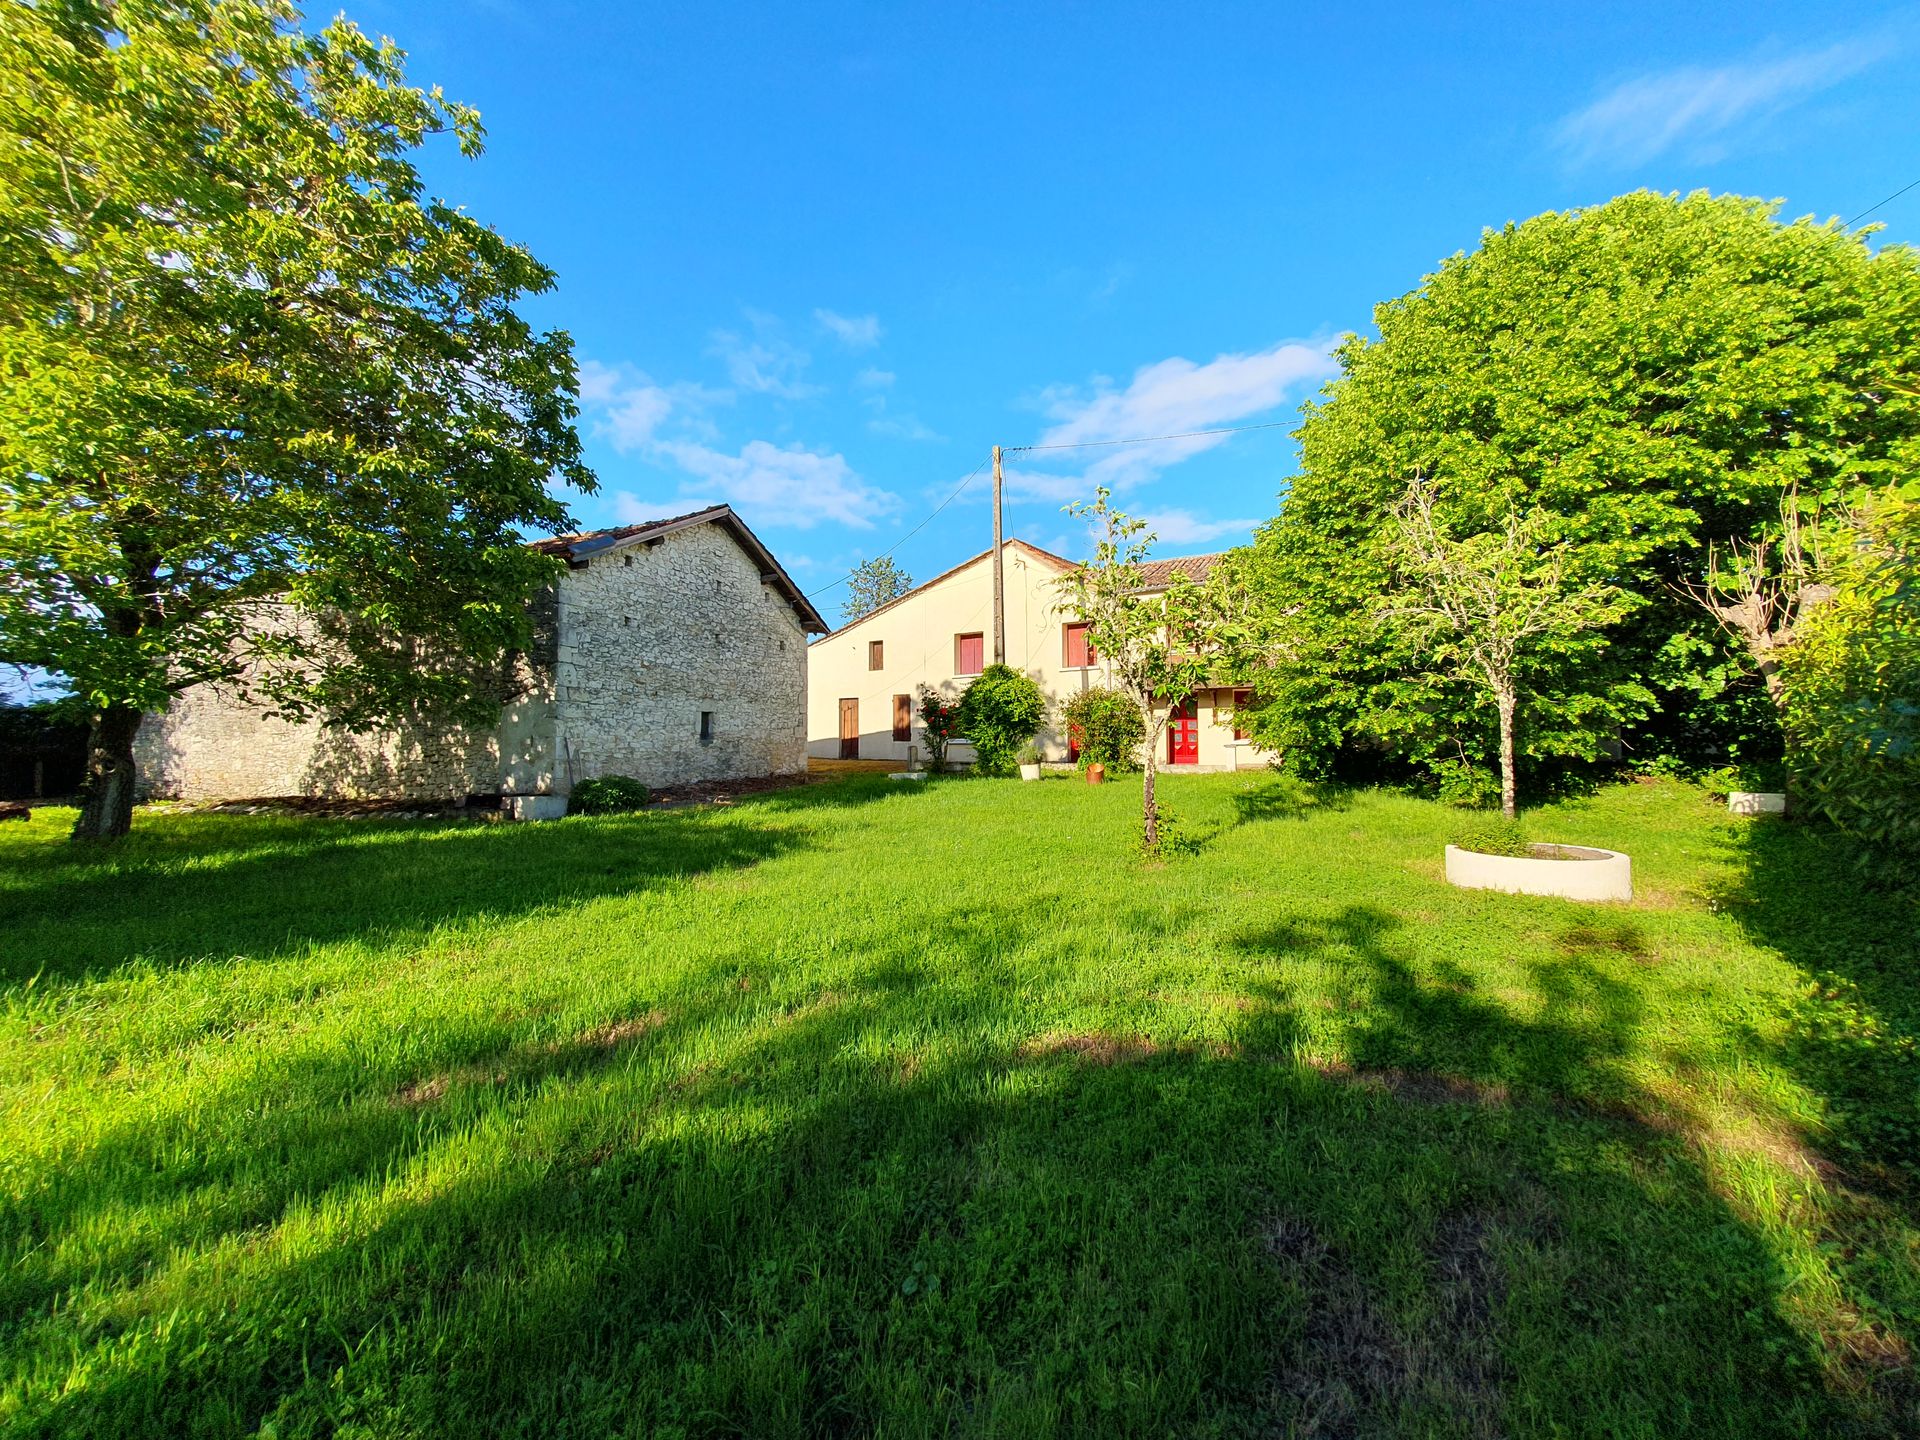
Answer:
(1572, 872)
(1096, 774)
(1757, 802)
(1030, 772)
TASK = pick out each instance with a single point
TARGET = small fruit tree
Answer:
(1158, 648)
(1001, 711)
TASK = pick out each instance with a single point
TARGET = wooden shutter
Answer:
(903, 717)
(968, 654)
(1079, 652)
(1242, 700)
(876, 655)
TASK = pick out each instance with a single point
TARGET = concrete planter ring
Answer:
(1030, 772)
(1757, 802)
(1572, 872)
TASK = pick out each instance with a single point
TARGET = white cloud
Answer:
(765, 362)
(1695, 106)
(1170, 397)
(856, 332)
(1183, 527)
(668, 425)
(904, 427)
(630, 408)
(630, 509)
(777, 485)
(873, 379)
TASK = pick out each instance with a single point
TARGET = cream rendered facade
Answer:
(860, 675)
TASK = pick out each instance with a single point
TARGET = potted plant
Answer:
(1030, 761)
(1096, 773)
(1495, 855)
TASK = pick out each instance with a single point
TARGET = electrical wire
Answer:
(1888, 201)
(908, 536)
(1149, 439)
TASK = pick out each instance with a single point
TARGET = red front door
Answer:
(1183, 733)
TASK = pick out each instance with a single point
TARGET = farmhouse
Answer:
(864, 678)
(673, 651)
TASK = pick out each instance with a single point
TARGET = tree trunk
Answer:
(1149, 806)
(107, 812)
(1508, 789)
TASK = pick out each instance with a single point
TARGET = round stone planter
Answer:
(1096, 774)
(1757, 802)
(1029, 772)
(1572, 872)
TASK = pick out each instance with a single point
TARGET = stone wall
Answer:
(213, 743)
(655, 634)
(630, 651)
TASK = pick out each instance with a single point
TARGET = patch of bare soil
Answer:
(334, 808)
(416, 1093)
(725, 792)
(1353, 1369)
(1416, 1087)
(1090, 1048)
(619, 1032)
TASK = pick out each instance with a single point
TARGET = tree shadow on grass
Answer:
(847, 1220)
(200, 888)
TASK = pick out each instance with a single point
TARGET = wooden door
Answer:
(850, 729)
(1183, 733)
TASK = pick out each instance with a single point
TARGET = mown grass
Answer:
(868, 1109)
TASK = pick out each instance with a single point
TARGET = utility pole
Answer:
(999, 573)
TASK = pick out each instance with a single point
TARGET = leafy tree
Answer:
(1655, 373)
(249, 371)
(1002, 709)
(1851, 678)
(1106, 728)
(1158, 648)
(1489, 604)
(873, 583)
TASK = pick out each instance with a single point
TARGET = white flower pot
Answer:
(1572, 872)
(1757, 802)
(1029, 772)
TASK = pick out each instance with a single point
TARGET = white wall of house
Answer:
(918, 641)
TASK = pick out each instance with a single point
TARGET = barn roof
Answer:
(578, 549)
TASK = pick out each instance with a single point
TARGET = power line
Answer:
(1889, 200)
(909, 535)
(1183, 435)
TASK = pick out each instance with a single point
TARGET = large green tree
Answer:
(246, 363)
(1651, 376)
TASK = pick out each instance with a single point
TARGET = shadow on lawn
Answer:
(898, 1210)
(201, 888)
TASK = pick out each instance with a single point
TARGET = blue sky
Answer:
(818, 258)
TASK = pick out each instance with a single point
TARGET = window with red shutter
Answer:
(1079, 649)
(969, 653)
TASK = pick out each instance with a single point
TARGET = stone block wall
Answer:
(213, 743)
(630, 650)
(652, 636)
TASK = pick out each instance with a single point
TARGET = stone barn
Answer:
(674, 652)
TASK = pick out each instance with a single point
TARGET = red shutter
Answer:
(1242, 701)
(968, 654)
(1079, 652)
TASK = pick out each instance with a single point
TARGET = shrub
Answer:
(1492, 835)
(1853, 695)
(1106, 727)
(937, 727)
(609, 795)
(1001, 711)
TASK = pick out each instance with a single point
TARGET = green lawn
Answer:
(877, 1109)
